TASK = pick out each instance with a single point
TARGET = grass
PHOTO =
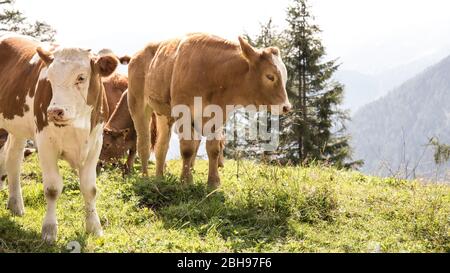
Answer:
(266, 209)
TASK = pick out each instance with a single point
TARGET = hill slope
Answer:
(391, 133)
(268, 209)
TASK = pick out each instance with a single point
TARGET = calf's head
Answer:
(267, 76)
(116, 144)
(75, 77)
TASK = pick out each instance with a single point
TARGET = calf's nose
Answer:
(55, 114)
(287, 108)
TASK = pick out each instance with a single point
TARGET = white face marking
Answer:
(284, 77)
(281, 68)
(69, 75)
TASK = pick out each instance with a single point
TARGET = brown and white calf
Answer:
(55, 97)
(114, 85)
(174, 72)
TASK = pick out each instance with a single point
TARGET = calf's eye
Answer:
(270, 77)
(81, 79)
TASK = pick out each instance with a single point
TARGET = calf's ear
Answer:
(106, 65)
(273, 50)
(247, 50)
(45, 56)
(125, 60)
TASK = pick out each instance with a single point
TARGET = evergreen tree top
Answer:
(14, 20)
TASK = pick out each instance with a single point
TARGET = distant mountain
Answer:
(391, 134)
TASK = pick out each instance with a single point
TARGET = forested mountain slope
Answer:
(392, 133)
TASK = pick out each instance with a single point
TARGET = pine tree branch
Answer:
(13, 20)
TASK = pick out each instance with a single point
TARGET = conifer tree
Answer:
(441, 151)
(315, 130)
(252, 149)
(14, 20)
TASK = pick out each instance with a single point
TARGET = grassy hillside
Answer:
(266, 209)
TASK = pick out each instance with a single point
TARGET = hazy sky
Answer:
(368, 35)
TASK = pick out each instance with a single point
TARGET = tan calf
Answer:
(221, 72)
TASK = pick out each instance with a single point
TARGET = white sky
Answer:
(368, 35)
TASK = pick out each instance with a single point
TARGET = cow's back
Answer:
(121, 117)
(115, 86)
(154, 66)
(178, 70)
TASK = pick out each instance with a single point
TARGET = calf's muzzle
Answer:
(287, 108)
(56, 114)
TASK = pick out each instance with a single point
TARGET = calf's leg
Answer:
(142, 117)
(188, 149)
(88, 187)
(197, 147)
(221, 155)
(53, 186)
(130, 161)
(140, 112)
(3, 175)
(213, 149)
(13, 161)
(164, 125)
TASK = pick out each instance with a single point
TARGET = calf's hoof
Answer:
(27, 152)
(126, 170)
(93, 226)
(160, 176)
(15, 205)
(213, 183)
(187, 179)
(99, 168)
(3, 182)
(49, 233)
